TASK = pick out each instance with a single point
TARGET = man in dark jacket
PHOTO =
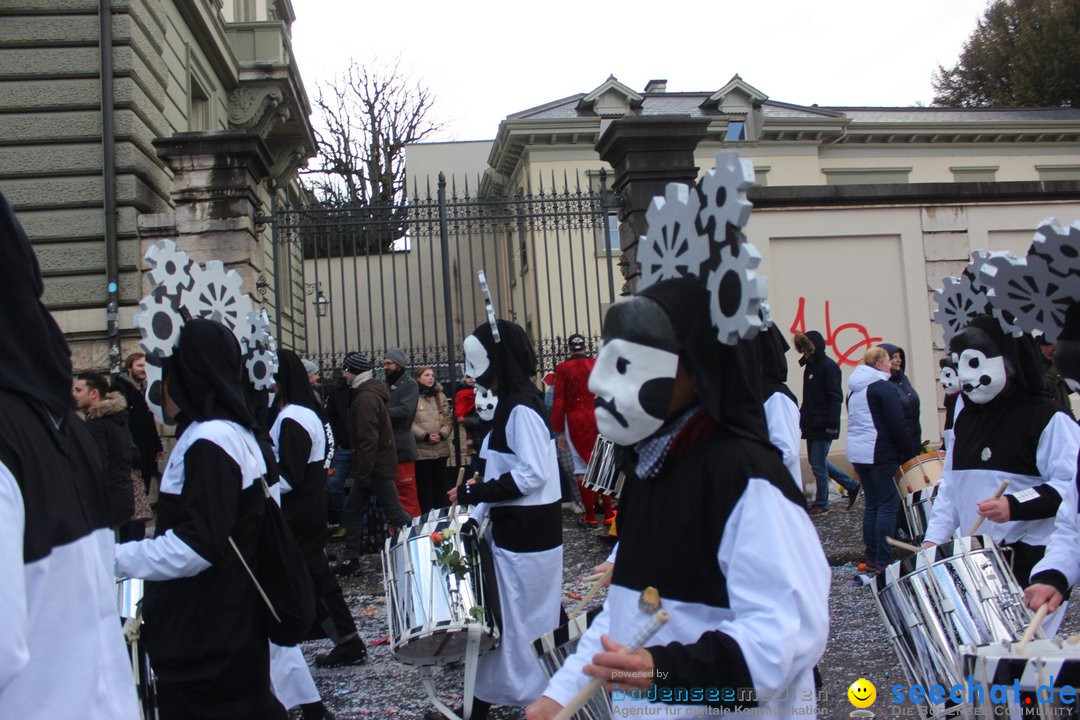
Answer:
(106, 419)
(337, 411)
(374, 462)
(404, 396)
(819, 417)
(144, 431)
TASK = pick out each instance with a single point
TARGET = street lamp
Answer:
(321, 302)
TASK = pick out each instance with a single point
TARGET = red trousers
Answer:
(406, 487)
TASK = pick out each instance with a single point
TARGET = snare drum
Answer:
(917, 508)
(554, 647)
(600, 476)
(1042, 670)
(431, 606)
(921, 471)
(942, 598)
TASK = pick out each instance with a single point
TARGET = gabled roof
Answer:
(738, 86)
(614, 89)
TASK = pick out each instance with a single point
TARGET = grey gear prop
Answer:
(217, 295)
(1058, 246)
(1029, 292)
(957, 303)
(994, 265)
(154, 380)
(170, 268)
(766, 315)
(672, 247)
(159, 324)
(261, 368)
(723, 196)
(256, 331)
(736, 293)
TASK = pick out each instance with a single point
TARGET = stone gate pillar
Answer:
(647, 153)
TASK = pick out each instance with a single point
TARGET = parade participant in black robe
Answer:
(62, 653)
(203, 617)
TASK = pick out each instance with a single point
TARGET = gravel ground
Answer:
(858, 643)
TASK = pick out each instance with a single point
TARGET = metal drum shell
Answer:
(428, 610)
(600, 474)
(553, 648)
(942, 598)
(129, 593)
(917, 508)
(1043, 663)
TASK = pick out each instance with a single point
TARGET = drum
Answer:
(921, 471)
(435, 590)
(600, 476)
(129, 594)
(1007, 683)
(554, 647)
(917, 508)
(942, 598)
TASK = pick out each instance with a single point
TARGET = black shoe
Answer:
(315, 711)
(350, 652)
(347, 567)
(853, 495)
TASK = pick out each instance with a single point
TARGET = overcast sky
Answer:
(485, 60)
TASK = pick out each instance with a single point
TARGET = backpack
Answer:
(281, 577)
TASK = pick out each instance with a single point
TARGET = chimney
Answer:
(656, 86)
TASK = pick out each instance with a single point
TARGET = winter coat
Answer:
(337, 412)
(573, 406)
(909, 399)
(107, 423)
(404, 395)
(877, 433)
(819, 417)
(141, 424)
(371, 434)
(432, 416)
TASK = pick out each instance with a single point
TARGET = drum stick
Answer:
(457, 486)
(998, 494)
(1033, 626)
(595, 684)
(592, 591)
(902, 545)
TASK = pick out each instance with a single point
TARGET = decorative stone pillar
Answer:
(216, 194)
(647, 153)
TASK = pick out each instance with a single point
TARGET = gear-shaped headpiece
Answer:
(159, 324)
(957, 304)
(1058, 246)
(169, 267)
(694, 232)
(219, 296)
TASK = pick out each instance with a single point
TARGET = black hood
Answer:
(206, 379)
(819, 347)
(1023, 358)
(294, 388)
(728, 377)
(35, 361)
(1067, 351)
(772, 349)
(513, 368)
(892, 350)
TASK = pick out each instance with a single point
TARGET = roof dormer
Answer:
(612, 99)
(738, 97)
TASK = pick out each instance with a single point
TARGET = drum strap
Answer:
(472, 660)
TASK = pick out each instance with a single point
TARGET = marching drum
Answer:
(600, 476)
(1042, 670)
(917, 508)
(436, 596)
(554, 647)
(942, 598)
(921, 471)
(129, 594)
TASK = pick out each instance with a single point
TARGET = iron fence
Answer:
(378, 277)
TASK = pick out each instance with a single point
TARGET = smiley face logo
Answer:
(862, 693)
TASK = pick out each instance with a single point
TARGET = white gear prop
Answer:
(159, 324)
(153, 391)
(723, 196)
(170, 267)
(218, 295)
(260, 350)
(672, 247)
(689, 236)
(1058, 246)
(489, 306)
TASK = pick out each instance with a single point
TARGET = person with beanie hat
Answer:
(404, 396)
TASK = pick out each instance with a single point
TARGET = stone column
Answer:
(216, 193)
(647, 153)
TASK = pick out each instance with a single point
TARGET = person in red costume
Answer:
(573, 419)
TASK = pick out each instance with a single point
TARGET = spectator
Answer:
(337, 411)
(877, 442)
(819, 417)
(909, 399)
(404, 396)
(475, 427)
(106, 419)
(1053, 379)
(431, 429)
(144, 430)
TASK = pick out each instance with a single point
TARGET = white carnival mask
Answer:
(477, 361)
(486, 402)
(981, 378)
(633, 384)
(949, 380)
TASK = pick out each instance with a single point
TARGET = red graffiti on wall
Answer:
(832, 335)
